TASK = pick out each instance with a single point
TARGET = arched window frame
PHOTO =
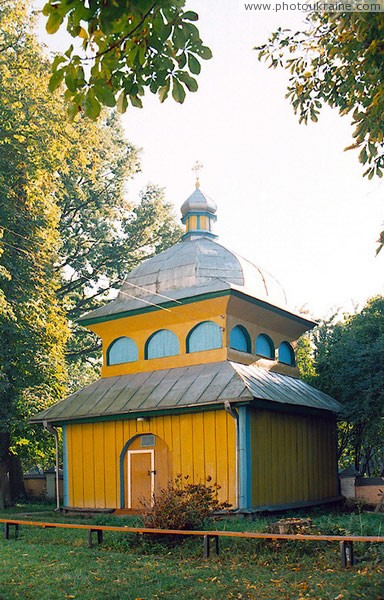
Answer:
(243, 336)
(265, 339)
(131, 350)
(286, 354)
(200, 327)
(172, 338)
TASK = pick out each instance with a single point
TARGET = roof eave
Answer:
(146, 413)
(189, 299)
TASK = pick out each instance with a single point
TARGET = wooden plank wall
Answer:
(200, 445)
(293, 457)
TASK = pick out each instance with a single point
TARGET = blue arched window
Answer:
(239, 339)
(286, 354)
(162, 343)
(265, 346)
(122, 350)
(205, 336)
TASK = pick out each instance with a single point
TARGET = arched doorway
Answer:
(144, 469)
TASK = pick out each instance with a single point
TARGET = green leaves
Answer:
(204, 52)
(122, 102)
(128, 48)
(103, 92)
(193, 64)
(337, 60)
(91, 106)
(190, 16)
(352, 351)
(190, 83)
(54, 22)
(32, 151)
(178, 92)
(56, 80)
(164, 91)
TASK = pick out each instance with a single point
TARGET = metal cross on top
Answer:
(196, 169)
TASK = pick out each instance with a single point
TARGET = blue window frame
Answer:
(122, 350)
(162, 343)
(265, 346)
(239, 339)
(286, 354)
(205, 336)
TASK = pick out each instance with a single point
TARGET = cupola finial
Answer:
(196, 169)
(198, 211)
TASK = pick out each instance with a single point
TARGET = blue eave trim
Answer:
(198, 213)
(204, 296)
(65, 467)
(198, 232)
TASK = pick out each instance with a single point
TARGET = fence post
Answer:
(207, 545)
(6, 530)
(346, 554)
(99, 536)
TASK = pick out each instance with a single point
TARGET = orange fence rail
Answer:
(346, 541)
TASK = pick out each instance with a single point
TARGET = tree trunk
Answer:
(4, 467)
(16, 480)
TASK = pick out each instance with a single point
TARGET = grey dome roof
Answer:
(196, 262)
(198, 201)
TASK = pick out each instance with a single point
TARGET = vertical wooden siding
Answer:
(200, 445)
(293, 458)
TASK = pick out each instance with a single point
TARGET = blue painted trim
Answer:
(198, 298)
(122, 470)
(201, 232)
(65, 466)
(244, 457)
(198, 213)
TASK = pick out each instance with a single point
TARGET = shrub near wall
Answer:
(183, 505)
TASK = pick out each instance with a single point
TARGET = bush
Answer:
(182, 505)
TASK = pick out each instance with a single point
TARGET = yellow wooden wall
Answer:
(199, 445)
(293, 457)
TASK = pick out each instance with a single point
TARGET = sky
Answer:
(289, 199)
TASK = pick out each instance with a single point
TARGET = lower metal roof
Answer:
(183, 388)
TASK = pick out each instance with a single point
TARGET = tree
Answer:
(67, 237)
(338, 60)
(123, 48)
(304, 358)
(114, 237)
(33, 329)
(103, 235)
(349, 364)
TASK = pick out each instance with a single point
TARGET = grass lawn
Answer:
(57, 564)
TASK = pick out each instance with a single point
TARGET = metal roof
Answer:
(184, 387)
(276, 387)
(198, 261)
(198, 201)
(185, 267)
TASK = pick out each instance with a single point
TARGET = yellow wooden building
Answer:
(198, 378)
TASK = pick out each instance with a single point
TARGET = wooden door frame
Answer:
(150, 451)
